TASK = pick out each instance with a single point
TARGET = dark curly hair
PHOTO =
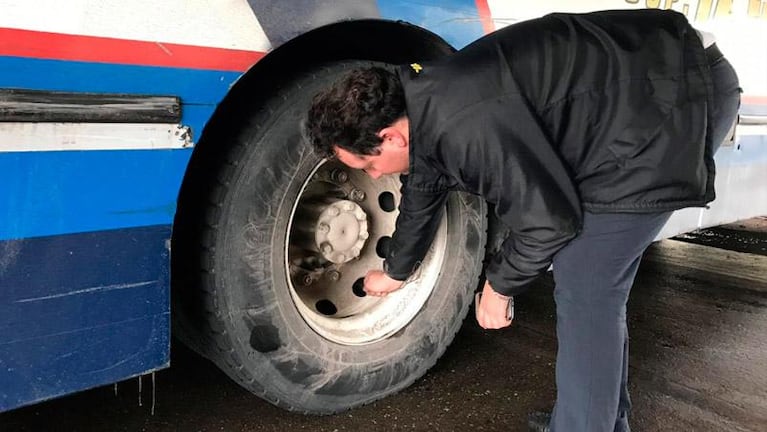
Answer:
(351, 112)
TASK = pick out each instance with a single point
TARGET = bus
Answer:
(155, 182)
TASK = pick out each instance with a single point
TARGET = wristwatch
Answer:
(509, 309)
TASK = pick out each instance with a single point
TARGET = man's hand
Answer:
(492, 309)
(378, 284)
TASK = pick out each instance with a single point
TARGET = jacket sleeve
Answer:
(420, 213)
(515, 166)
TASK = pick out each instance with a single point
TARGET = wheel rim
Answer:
(340, 227)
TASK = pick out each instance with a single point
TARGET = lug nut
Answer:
(323, 228)
(357, 195)
(334, 275)
(327, 248)
(333, 211)
(307, 280)
(339, 176)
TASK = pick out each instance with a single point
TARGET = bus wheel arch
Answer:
(234, 286)
(395, 42)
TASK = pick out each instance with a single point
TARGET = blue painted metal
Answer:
(196, 117)
(456, 21)
(81, 310)
(48, 193)
(200, 90)
(191, 85)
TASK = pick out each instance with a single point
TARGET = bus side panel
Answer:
(63, 328)
(84, 268)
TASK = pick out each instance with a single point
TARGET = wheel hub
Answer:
(342, 229)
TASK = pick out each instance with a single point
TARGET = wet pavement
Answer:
(698, 325)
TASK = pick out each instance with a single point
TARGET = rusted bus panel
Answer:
(46, 106)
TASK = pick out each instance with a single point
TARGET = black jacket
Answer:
(602, 112)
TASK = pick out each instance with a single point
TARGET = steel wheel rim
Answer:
(328, 295)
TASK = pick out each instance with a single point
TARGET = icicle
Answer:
(153, 392)
(139, 390)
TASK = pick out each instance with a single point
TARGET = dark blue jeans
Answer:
(593, 275)
(726, 100)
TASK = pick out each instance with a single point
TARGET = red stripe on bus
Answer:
(484, 16)
(753, 100)
(58, 46)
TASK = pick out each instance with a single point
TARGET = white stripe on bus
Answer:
(29, 137)
(218, 24)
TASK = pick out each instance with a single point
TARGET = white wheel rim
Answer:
(323, 291)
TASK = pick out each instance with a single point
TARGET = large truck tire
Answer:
(271, 289)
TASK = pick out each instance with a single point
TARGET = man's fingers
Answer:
(374, 293)
(494, 325)
(489, 321)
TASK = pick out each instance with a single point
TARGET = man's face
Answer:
(393, 158)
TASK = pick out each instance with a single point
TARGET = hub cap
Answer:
(341, 231)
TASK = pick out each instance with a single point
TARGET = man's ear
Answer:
(392, 135)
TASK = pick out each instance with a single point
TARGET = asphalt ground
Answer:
(698, 324)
